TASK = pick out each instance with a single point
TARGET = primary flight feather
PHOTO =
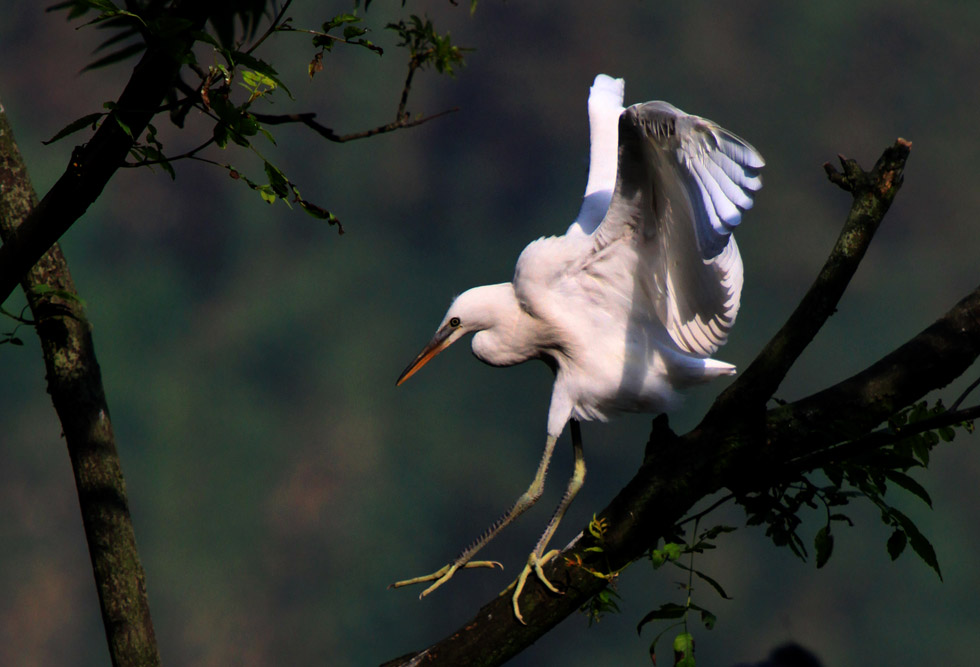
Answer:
(628, 306)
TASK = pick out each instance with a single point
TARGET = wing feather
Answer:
(682, 185)
(605, 106)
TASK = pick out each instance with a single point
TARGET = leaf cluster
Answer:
(604, 601)
(227, 90)
(426, 47)
(672, 553)
(858, 473)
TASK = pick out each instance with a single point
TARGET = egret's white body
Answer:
(629, 305)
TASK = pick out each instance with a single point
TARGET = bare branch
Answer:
(325, 132)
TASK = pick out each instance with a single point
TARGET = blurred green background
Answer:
(279, 481)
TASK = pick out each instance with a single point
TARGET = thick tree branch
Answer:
(738, 444)
(92, 165)
(75, 385)
(873, 194)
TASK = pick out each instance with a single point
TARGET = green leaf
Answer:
(116, 56)
(708, 618)
(920, 545)
(339, 20)
(896, 544)
(258, 65)
(74, 126)
(714, 532)
(823, 543)
(207, 38)
(921, 449)
(684, 650)
(124, 126)
(909, 485)
(42, 290)
(321, 213)
(277, 180)
(668, 610)
(352, 31)
(267, 194)
(714, 584)
(670, 552)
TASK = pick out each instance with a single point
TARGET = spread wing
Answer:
(681, 187)
(605, 106)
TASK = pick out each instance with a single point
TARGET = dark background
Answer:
(279, 481)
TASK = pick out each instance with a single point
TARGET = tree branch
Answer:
(75, 385)
(738, 445)
(92, 165)
(873, 194)
(325, 132)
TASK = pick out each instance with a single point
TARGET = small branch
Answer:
(325, 132)
(273, 27)
(966, 392)
(883, 437)
(191, 154)
(705, 512)
(413, 65)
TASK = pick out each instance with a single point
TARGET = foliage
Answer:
(859, 470)
(605, 601)
(671, 553)
(228, 90)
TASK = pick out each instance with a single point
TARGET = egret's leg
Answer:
(528, 498)
(538, 558)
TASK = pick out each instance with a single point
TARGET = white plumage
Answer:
(631, 303)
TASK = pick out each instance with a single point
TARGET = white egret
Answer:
(629, 305)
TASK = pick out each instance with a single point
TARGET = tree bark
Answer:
(75, 384)
(740, 445)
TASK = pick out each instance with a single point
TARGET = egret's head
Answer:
(466, 315)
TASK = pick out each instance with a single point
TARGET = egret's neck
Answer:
(505, 334)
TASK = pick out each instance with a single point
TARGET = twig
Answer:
(273, 27)
(966, 392)
(705, 512)
(882, 437)
(189, 154)
(325, 132)
(316, 33)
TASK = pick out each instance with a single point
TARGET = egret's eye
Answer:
(454, 322)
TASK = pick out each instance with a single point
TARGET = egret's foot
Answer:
(534, 564)
(443, 574)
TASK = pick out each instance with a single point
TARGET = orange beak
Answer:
(435, 346)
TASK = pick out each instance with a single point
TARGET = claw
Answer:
(443, 574)
(534, 563)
